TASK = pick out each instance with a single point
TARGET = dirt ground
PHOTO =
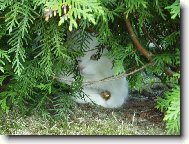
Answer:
(136, 117)
(138, 112)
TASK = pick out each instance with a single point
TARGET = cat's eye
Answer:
(94, 57)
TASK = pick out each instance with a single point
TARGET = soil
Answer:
(138, 110)
(138, 116)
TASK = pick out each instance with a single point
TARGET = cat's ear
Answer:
(102, 47)
(79, 60)
(108, 48)
(94, 57)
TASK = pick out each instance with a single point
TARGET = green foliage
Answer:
(78, 9)
(18, 22)
(170, 104)
(174, 9)
(3, 55)
(35, 49)
(133, 5)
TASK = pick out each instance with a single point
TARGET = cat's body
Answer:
(93, 69)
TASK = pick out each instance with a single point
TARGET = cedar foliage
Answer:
(33, 50)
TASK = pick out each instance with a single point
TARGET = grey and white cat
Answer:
(93, 68)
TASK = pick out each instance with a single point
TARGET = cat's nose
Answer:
(81, 67)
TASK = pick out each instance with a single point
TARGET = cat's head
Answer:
(94, 63)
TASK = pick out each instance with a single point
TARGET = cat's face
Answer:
(91, 64)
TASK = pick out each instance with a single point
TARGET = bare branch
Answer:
(139, 47)
(90, 83)
(116, 77)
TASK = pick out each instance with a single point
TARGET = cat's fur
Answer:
(94, 70)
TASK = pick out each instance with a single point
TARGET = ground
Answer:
(137, 117)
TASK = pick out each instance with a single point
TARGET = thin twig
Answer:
(116, 77)
(90, 83)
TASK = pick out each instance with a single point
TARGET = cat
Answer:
(92, 67)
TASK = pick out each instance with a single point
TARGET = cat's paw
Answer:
(106, 95)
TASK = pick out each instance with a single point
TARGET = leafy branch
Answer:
(174, 9)
(3, 55)
(18, 29)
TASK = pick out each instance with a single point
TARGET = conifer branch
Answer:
(139, 47)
